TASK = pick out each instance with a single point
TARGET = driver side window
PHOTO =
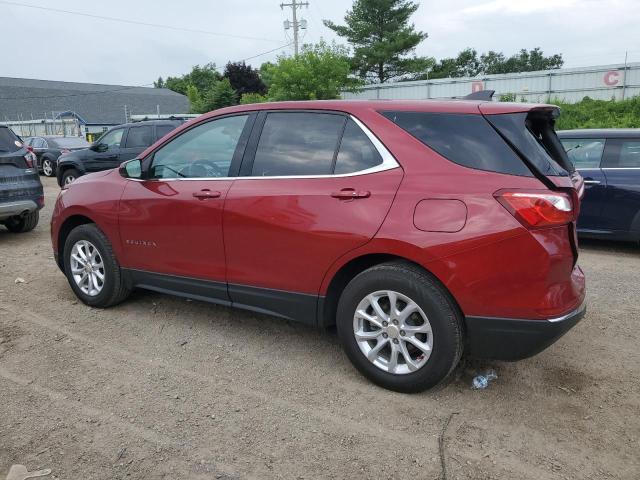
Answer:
(205, 151)
(113, 138)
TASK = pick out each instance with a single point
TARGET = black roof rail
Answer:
(485, 95)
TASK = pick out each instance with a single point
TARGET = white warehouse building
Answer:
(571, 85)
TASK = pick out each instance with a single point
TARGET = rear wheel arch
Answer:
(355, 266)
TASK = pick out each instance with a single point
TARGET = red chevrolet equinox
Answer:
(421, 229)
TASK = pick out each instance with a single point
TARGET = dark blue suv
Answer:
(609, 161)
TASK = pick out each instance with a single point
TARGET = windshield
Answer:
(9, 141)
(70, 142)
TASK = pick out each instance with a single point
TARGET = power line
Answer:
(135, 22)
(133, 86)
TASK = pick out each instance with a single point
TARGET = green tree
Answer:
(247, 98)
(383, 40)
(195, 100)
(203, 78)
(158, 83)
(220, 95)
(319, 72)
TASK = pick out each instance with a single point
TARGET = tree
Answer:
(195, 100)
(244, 79)
(382, 39)
(468, 64)
(158, 83)
(203, 78)
(319, 72)
(220, 95)
(247, 98)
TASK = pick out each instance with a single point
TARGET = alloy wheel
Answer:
(87, 268)
(393, 332)
(47, 168)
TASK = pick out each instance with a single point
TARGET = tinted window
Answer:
(356, 151)
(584, 153)
(162, 130)
(295, 143)
(70, 142)
(629, 154)
(112, 138)
(38, 142)
(139, 137)
(205, 151)
(465, 139)
(8, 140)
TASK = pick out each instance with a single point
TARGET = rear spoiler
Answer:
(483, 95)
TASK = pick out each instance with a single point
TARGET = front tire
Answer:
(69, 176)
(48, 168)
(400, 328)
(24, 223)
(92, 268)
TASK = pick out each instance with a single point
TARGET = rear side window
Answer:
(465, 139)
(356, 151)
(139, 137)
(297, 143)
(162, 130)
(584, 152)
(629, 154)
(9, 142)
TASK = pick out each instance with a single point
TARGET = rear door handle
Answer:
(592, 182)
(349, 193)
(205, 194)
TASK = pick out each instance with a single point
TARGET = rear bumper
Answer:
(515, 339)
(11, 209)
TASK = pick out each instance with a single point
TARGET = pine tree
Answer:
(382, 38)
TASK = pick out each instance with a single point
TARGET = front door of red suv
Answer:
(313, 186)
(171, 222)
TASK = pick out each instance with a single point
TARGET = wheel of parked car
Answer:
(69, 176)
(399, 327)
(47, 167)
(92, 269)
(24, 223)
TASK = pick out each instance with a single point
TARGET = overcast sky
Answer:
(59, 46)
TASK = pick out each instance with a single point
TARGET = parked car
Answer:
(117, 145)
(49, 148)
(609, 161)
(21, 193)
(415, 227)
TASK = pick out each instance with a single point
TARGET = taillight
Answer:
(538, 209)
(31, 159)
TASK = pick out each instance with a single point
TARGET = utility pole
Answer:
(295, 24)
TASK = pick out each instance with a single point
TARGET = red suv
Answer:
(421, 229)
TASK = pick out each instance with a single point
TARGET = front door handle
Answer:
(205, 194)
(350, 193)
(592, 182)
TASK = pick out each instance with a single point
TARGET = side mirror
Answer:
(99, 147)
(131, 169)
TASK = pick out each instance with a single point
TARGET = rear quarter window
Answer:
(466, 139)
(9, 141)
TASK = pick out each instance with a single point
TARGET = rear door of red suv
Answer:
(313, 185)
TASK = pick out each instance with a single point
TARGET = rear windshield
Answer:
(465, 139)
(9, 141)
(69, 142)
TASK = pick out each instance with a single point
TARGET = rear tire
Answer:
(96, 258)
(24, 223)
(69, 176)
(431, 336)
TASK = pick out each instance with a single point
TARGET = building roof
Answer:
(23, 99)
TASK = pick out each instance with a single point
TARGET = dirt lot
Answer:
(161, 387)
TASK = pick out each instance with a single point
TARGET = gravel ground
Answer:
(161, 387)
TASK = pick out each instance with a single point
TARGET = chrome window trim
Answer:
(388, 163)
(620, 168)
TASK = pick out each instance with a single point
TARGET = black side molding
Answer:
(484, 95)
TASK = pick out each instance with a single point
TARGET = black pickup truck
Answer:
(21, 193)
